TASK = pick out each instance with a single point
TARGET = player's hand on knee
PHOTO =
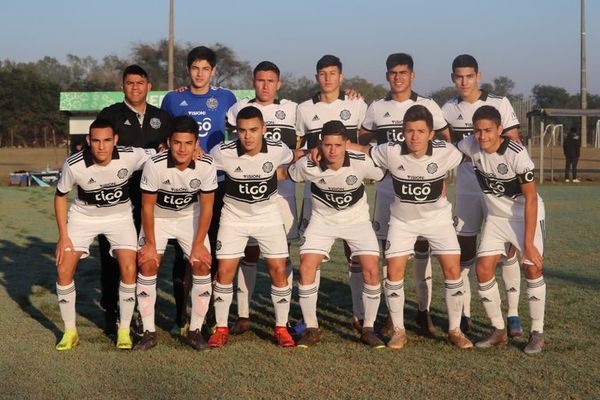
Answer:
(64, 244)
(201, 255)
(531, 255)
(147, 255)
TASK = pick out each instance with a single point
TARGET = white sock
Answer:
(490, 296)
(126, 304)
(355, 276)
(289, 272)
(422, 266)
(200, 296)
(511, 275)
(465, 270)
(281, 298)
(307, 295)
(146, 296)
(394, 298)
(371, 297)
(455, 291)
(223, 295)
(246, 281)
(66, 303)
(536, 295)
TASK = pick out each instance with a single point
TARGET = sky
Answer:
(530, 41)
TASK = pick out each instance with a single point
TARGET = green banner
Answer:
(96, 101)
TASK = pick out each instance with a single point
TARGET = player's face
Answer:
(266, 85)
(182, 145)
(333, 148)
(329, 79)
(250, 132)
(200, 74)
(102, 141)
(487, 134)
(466, 81)
(135, 88)
(400, 78)
(417, 136)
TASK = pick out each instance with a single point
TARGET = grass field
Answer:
(251, 366)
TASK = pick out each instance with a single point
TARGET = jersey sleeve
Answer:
(296, 171)
(230, 99)
(166, 104)
(142, 155)
(66, 181)
(232, 115)
(372, 171)
(362, 111)
(369, 120)
(300, 128)
(150, 178)
(286, 155)
(217, 156)
(379, 155)
(454, 156)
(439, 121)
(523, 167)
(467, 145)
(507, 115)
(209, 174)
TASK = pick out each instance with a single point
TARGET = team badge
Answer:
(376, 225)
(345, 115)
(351, 180)
(218, 245)
(280, 114)
(502, 169)
(387, 244)
(122, 173)
(195, 183)
(267, 167)
(142, 241)
(432, 168)
(155, 123)
(212, 103)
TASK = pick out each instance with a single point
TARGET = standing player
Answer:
(208, 105)
(418, 167)
(138, 124)
(280, 120)
(327, 105)
(515, 215)
(469, 205)
(251, 209)
(102, 206)
(177, 204)
(384, 122)
(340, 210)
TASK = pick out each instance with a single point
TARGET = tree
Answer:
(441, 96)
(232, 72)
(502, 86)
(367, 90)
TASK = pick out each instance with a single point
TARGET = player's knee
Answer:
(485, 268)
(532, 271)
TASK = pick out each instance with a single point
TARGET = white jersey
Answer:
(102, 189)
(338, 197)
(385, 118)
(418, 182)
(500, 176)
(459, 115)
(251, 182)
(177, 191)
(280, 119)
(313, 113)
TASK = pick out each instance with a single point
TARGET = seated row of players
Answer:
(329, 104)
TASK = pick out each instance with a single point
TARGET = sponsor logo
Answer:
(195, 183)
(316, 118)
(457, 294)
(155, 123)
(322, 181)
(394, 137)
(183, 104)
(204, 127)
(386, 115)
(267, 167)
(122, 173)
(485, 300)
(432, 168)
(175, 201)
(63, 301)
(204, 294)
(460, 117)
(167, 182)
(127, 122)
(280, 114)
(256, 191)
(282, 301)
(238, 169)
(91, 181)
(401, 168)
(130, 300)
(345, 115)
(351, 180)
(219, 300)
(502, 169)
(212, 103)
(394, 294)
(274, 134)
(143, 294)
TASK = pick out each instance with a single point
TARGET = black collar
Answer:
(317, 97)
(483, 96)
(503, 146)
(404, 149)
(171, 164)
(241, 151)
(413, 96)
(88, 157)
(276, 101)
(323, 162)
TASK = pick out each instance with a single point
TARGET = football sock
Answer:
(66, 303)
(455, 290)
(490, 296)
(246, 281)
(465, 268)
(223, 296)
(371, 297)
(200, 296)
(281, 297)
(146, 296)
(308, 303)
(536, 296)
(422, 266)
(511, 275)
(126, 303)
(394, 298)
(355, 276)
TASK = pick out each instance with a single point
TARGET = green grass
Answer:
(252, 367)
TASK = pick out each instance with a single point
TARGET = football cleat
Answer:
(219, 338)
(283, 337)
(357, 324)
(514, 327)
(242, 325)
(466, 325)
(387, 330)
(147, 341)
(299, 328)
(124, 339)
(457, 338)
(425, 323)
(310, 337)
(398, 339)
(536, 343)
(196, 340)
(369, 338)
(182, 331)
(495, 338)
(69, 340)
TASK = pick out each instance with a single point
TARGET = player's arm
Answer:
(513, 134)
(530, 252)
(64, 243)
(365, 136)
(199, 251)
(148, 251)
(444, 134)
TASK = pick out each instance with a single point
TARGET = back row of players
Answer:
(410, 201)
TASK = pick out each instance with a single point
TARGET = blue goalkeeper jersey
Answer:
(209, 110)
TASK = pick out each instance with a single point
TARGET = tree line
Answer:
(29, 91)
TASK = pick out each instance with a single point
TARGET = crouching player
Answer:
(339, 210)
(177, 201)
(102, 206)
(418, 167)
(515, 215)
(251, 209)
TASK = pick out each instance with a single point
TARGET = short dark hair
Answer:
(399, 59)
(202, 53)
(134, 69)
(101, 123)
(329, 60)
(489, 113)
(249, 112)
(418, 112)
(465, 61)
(266, 66)
(184, 123)
(334, 127)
